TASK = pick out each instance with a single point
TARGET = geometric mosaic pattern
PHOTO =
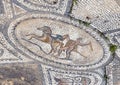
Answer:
(59, 6)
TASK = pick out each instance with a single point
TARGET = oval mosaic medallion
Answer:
(58, 41)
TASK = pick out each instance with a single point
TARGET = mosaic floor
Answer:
(59, 42)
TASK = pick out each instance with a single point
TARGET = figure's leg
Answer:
(60, 50)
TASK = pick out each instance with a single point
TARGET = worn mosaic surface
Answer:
(59, 42)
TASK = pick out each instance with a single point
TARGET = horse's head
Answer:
(45, 29)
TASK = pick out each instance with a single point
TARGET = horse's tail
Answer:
(36, 45)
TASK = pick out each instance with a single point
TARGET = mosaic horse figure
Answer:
(72, 45)
(55, 40)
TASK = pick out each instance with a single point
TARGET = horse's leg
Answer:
(91, 46)
(75, 50)
(68, 52)
(59, 52)
(51, 44)
(62, 49)
(53, 47)
(50, 51)
(80, 54)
